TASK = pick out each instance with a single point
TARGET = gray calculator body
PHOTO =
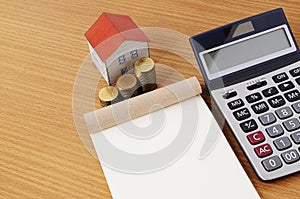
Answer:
(276, 117)
(252, 70)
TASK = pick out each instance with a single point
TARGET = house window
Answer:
(123, 70)
(122, 59)
(134, 54)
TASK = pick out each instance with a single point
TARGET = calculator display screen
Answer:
(246, 50)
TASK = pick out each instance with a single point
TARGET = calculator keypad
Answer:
(284, 112)
(274, 131)
(282, 143)
(241, 114)
(272, 163)
(236, 104)
(270, 91)
(260, 107)
(263, 150)
(286, 86)
(249, 126)
(277, 101)
(298, 80)
(254, 97)
(256, 137)
(296, 137)
(280, 77)
(296, 107)
(290, 156)
(295, 72)
(291, 124)
(292, 95)
(266, 116)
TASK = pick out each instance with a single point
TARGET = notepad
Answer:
(173, 152)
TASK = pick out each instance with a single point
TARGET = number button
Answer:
(280, 77)
(270, 91)
(291, 124)
(296, 137)
(290, 156)
(282, 143)
(284, 112)
(253, 97)
(249, 126)
(241, 114)
(286, 86)
(267, 119)
(277, 101)
(272, 163)
(275, 131)
(263, 150)
(235, 104)
(295, 72)
(292, 95)
(260, 107)
(296, 107)
(256, 138)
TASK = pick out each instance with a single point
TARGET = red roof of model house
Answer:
(116, 27)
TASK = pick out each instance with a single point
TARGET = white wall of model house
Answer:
(121, 61)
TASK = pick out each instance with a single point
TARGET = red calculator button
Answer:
(263, 150)
(255, 138)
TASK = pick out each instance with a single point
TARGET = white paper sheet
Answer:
(157, 156)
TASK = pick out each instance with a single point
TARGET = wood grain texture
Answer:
(42, 48)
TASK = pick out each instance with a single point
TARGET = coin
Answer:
(127, 85)
(107, 95)
(144, 69)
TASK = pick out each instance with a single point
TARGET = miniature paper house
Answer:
(115, 42)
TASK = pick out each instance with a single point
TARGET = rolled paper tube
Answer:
(107, 95)
(141, 105)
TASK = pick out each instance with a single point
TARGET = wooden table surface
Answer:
(42, 48)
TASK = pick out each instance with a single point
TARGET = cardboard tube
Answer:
(141, 105)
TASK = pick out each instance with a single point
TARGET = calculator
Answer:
(252, 70)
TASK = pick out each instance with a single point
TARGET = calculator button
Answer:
(249, 126)
(274, 131)
(296, 137)
(296, 107)
(290, 156)
(267, 119)
(260, 107)
(270, 91)
(257, 85)
(295, 72)
(253, 97)
(282, 143)
(272, 163)
(286, 86)
(263, 150)
(241, 114)
(298, 80)
(228, 95)
(256, 138)
(284, 112)
(291, 124)
(292, 95)
(235, 104)
(277, 101)
(280, 77)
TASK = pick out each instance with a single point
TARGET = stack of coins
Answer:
(144, 69)
(108, 95)
(127, 85)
